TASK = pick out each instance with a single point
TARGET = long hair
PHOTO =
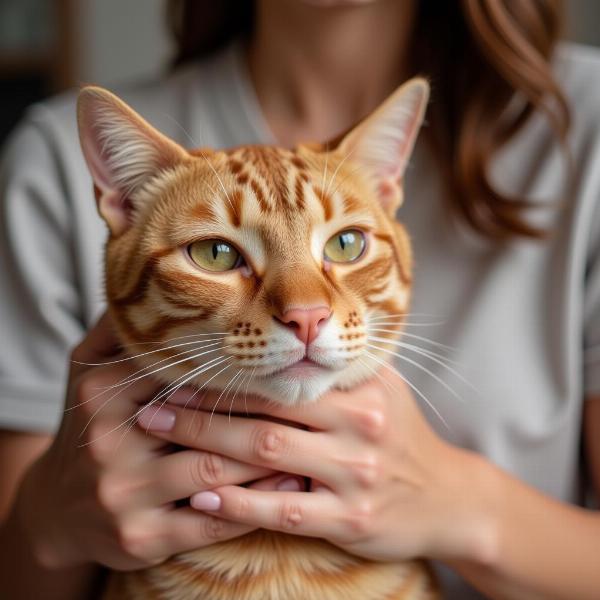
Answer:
(480, 55)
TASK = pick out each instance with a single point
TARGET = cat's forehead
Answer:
(302, 185)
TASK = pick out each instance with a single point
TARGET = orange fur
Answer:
(278, 208)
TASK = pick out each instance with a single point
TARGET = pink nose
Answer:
(306, 321)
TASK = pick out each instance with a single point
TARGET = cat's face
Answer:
(258, 268)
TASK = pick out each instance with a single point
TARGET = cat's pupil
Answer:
(342, 242)
(215, 251)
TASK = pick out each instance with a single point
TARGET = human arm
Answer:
(19, 570)
(397, 492)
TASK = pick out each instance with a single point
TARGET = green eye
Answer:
(345, 246)
(214, 255)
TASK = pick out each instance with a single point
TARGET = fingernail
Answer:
(205, 501)
(155, 418)
(289, 485)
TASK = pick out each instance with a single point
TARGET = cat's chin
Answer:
(303, 386)
(289, 389)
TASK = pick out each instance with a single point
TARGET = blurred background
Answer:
(47, 46)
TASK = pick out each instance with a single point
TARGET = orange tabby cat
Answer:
(283, 258)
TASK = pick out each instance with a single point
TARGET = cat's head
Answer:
(260, 268)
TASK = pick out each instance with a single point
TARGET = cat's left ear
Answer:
(123, 153)
(384, 141)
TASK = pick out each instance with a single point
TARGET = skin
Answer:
(113, 504)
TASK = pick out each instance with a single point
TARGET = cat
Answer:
(284, 259)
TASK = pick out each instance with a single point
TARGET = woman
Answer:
(495, 495)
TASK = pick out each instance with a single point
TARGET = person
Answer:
(501, 200)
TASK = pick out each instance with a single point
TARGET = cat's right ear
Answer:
(123, 153)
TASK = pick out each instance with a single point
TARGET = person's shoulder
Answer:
(577, 71)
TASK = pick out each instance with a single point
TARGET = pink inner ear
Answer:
(388, 191)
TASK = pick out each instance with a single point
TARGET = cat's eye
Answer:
(214, 255)
(345, 246)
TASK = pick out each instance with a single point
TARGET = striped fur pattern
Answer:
(279, 208)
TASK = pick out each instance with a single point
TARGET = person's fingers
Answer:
(266, 444)
(280, 482)
(301, 513)
(186, 529)
(179, 475)
(104, 404)
(100, 342)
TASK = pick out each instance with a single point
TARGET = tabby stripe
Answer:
(234, 207)
(326, 203)
(260, 196)
(299, 192)
(139, 287)
(406, 279)
(203, 213)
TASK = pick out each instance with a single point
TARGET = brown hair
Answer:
(481, 56)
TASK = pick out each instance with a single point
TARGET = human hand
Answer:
(106, 494)
(384, 485)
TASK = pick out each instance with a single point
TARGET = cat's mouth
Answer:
(303, 367)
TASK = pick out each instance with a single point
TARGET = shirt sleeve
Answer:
(591, 322)
(40, 312)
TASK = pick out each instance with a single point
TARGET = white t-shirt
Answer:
(523, 318)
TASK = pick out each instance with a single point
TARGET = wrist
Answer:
(473, 487)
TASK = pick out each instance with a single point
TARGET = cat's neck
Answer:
(317, 71)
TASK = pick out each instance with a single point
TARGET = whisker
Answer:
(127, 381)
(177, 362)
(167, 393)
(244, 377)
(425, 351)
(412, 386)
(406, 324)
(170, 389)
(336, 170)
(173, 339)
(229, 383)
(131, 420)
(96, 412)
(419, 366)
(434, 357)
(391, 316)
(134, 356)
(246, 394)
(344, 179)
(325, 169)
(417, 337)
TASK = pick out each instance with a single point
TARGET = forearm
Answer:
(538, 548)
(24, 577)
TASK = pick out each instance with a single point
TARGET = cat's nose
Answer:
(305, 322)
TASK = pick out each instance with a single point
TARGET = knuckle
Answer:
(196, 427)
(86, 391)
(290, 516)
(207, 470)
(371, 421)
(99, 444)
(133, 542)
(241, 509)
(358, 521)
(268, 444)
(213, 528)
(366, 471)
(108, 495)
